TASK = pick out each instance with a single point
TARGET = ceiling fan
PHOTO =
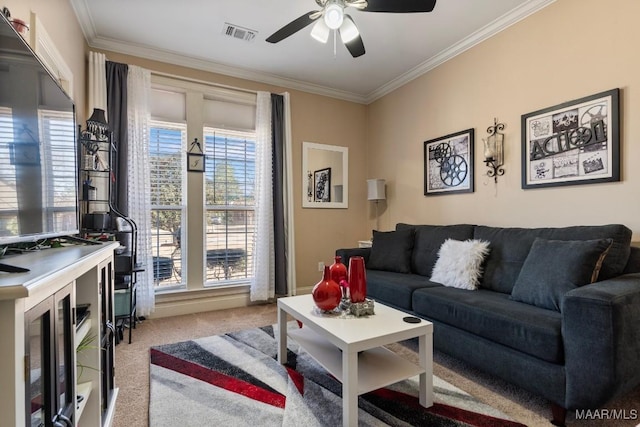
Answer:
(335, 18)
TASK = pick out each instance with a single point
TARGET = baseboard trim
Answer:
(182, 303)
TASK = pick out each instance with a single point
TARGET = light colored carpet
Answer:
(132, 370)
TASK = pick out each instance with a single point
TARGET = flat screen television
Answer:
(38, 155)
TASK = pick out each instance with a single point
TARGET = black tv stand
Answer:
(6, 268)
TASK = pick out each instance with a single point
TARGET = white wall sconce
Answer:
(494, 150)
(376, 192)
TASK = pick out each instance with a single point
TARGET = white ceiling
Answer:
(399, 47)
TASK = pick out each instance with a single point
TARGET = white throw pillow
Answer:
(459, 263)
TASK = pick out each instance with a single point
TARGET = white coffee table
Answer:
(336, 342)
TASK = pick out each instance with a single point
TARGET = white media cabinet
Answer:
(79, 275)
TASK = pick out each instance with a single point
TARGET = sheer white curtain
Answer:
(139, 177)
(97, 93)
(263, 282)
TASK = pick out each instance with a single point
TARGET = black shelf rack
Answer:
(103, 220)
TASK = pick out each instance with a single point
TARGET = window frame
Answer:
(176, 240)
(232, 257)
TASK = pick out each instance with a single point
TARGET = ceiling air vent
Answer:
(237, 32)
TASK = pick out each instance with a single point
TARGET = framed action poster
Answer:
(577, 142)
(448, 164)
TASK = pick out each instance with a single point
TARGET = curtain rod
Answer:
(192, 80)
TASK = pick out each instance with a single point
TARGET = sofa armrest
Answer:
(349, 252)
(601, 333)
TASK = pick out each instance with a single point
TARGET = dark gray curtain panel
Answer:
(117, 113)
(277, 134)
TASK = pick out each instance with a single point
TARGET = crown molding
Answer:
(81, 10)
(489, 30)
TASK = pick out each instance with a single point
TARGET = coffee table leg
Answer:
(349, 388)
(425, 345)
(282, 336)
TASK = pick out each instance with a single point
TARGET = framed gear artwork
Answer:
(577, 142)
(322, 185)
(448, 164)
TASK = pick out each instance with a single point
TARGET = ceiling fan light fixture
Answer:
(348, 30)
(333, 16)
(320, 31)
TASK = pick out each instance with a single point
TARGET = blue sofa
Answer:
(578, 356)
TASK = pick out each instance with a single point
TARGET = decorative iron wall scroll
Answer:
(448, 164)
(577, 142)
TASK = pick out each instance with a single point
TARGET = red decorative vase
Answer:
(326, 293)
(338, 270)
(357, 279)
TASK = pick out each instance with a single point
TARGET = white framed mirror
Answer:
(325, 176)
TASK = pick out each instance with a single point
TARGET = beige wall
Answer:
(60, 23)
(319, 232)
(570, 49)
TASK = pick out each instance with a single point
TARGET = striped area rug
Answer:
(235, 380)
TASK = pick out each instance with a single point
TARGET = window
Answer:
(8, 196)
(167, 143)
(229, 205)
(203, 223)
(57, 129)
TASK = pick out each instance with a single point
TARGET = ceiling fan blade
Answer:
(400, 6)
(358, 4)
(356, 47)
(294, 26)
(351, 37)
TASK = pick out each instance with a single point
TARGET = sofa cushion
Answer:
(554, 267)
(492, 315)
(633, 263)
(395, 289)
(510, 247)
(391, 251)
(459, 263)
(427, 242)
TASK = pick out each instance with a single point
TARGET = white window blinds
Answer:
(167, 143)
(57, 129)
(8, 198)
(229, 204)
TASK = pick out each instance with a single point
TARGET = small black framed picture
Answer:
(195, 162)
(322, 185)
(448, 164)
(25, 154)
